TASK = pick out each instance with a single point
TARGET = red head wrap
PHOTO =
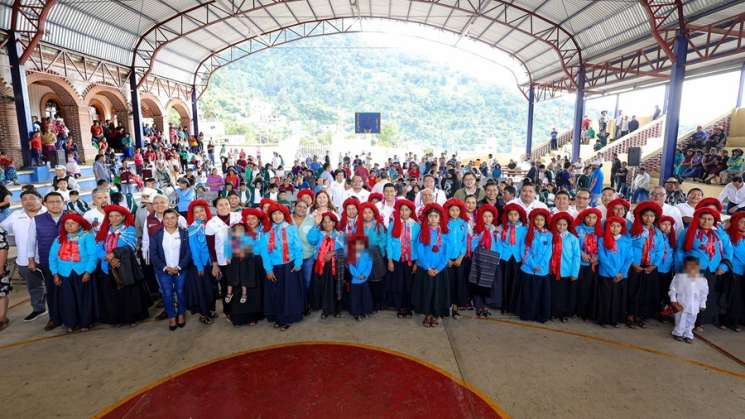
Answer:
(455, 202)
(376, 216)
(580, 219)
(506, 225)
(424, 232)
(531, 223)
(480, 227)
(608, 240)
(197, 203)
(691, 232)
(375, 195)
(671, 234)
(274, 208)
(351, 252)
(638, 226)
(349, 201)
(129, 220)
(710, 202)
(74, 216)
(304, 192)
(397, 224)
(557, 248)
(259, 214)
(614, 203)
(733, 230)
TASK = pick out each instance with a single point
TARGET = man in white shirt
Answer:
(337, 188)
(438, 195)
(356, 191)
(734, 195)
(658, 195)
(561, 204)
(606, 196)
(527, 199)
(387, 205)
(581, 201)
(159, 206)
(95, 215)
(17, 224)
(695, 195)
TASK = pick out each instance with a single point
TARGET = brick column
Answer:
(10, 140)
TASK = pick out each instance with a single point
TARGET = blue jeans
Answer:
(307, 271)
(170, 284)
(640, 195)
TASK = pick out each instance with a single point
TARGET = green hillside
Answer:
(323, 81)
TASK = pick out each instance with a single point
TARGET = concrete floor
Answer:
(557, 370)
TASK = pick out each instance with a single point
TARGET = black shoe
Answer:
(181, 324)
(172, 328)
(34, 315)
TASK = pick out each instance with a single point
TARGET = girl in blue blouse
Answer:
(619, 207)
(705, 241)
(614, 257)
(430, 294)
(326, 285)
(72, 261)
(587, 225)
(250, 269)
(200, 286)
(735, 285)
(370, 224)
(485, 248)
(565, 262)
(350, 209)
(360, 266)
(648, 243)
(124, 299)
(512, 242)
(282, 256)
(402, 234)
(666, 225)
(460, 254)
(535, 300)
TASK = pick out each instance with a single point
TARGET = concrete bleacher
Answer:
(41, 178)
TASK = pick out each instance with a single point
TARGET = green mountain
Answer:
(322, 82)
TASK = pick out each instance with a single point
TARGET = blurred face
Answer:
(539, 221)
(322, 200)
(488, 218)
(605, 197)
(591, 219)
(561, 201)
(583, 200)
(223, 207)
(454, 212)
(433, 218)
(615, 228)
(116, 219)
(277, 217)
(389, 193)
(667, 227)
(694, 197)
(351, 211)
(648, 218)
(357, 182)
(71, 226)
(471, 204)
(706, 221)
(170, 220)
(160, 204)
(328, 224)
(359, 246)
(200, 213)
(562, 225)
(527, 194)
(405, 212)
(55, 204)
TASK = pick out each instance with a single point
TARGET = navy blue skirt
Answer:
(200, 291)
(360, 300)
(284, 300)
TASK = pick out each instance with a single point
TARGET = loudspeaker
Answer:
(635, 156)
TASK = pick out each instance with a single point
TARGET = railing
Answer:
(638, 138)
(653, 160)
(538, 152)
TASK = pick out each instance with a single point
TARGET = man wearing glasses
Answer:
(658, 195)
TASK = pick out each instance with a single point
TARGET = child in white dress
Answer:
(688, 292)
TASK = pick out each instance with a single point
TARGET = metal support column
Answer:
(529, 139)
(194, 113)
(579, 112)
(666, 98)
(677, 75)
(617, 105)
(741, 88)
(20, 94)
(136, 108)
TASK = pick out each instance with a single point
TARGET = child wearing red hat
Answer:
(643, 284)
(512, 243)
(402, 256)
(326, 285)
(535, 295)
(484, 273)
(565, 264)
(430, 294)
(614, 257)
(588, 227)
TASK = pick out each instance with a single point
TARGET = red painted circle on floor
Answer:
(309, 381)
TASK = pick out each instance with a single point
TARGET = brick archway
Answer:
(183, 110)
(119, 110)
(152, 108)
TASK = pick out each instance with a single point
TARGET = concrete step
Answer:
(86, 184)
(26, 176)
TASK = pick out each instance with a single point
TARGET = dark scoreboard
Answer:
(367, 123)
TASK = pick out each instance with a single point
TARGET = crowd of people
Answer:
(179, 225)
